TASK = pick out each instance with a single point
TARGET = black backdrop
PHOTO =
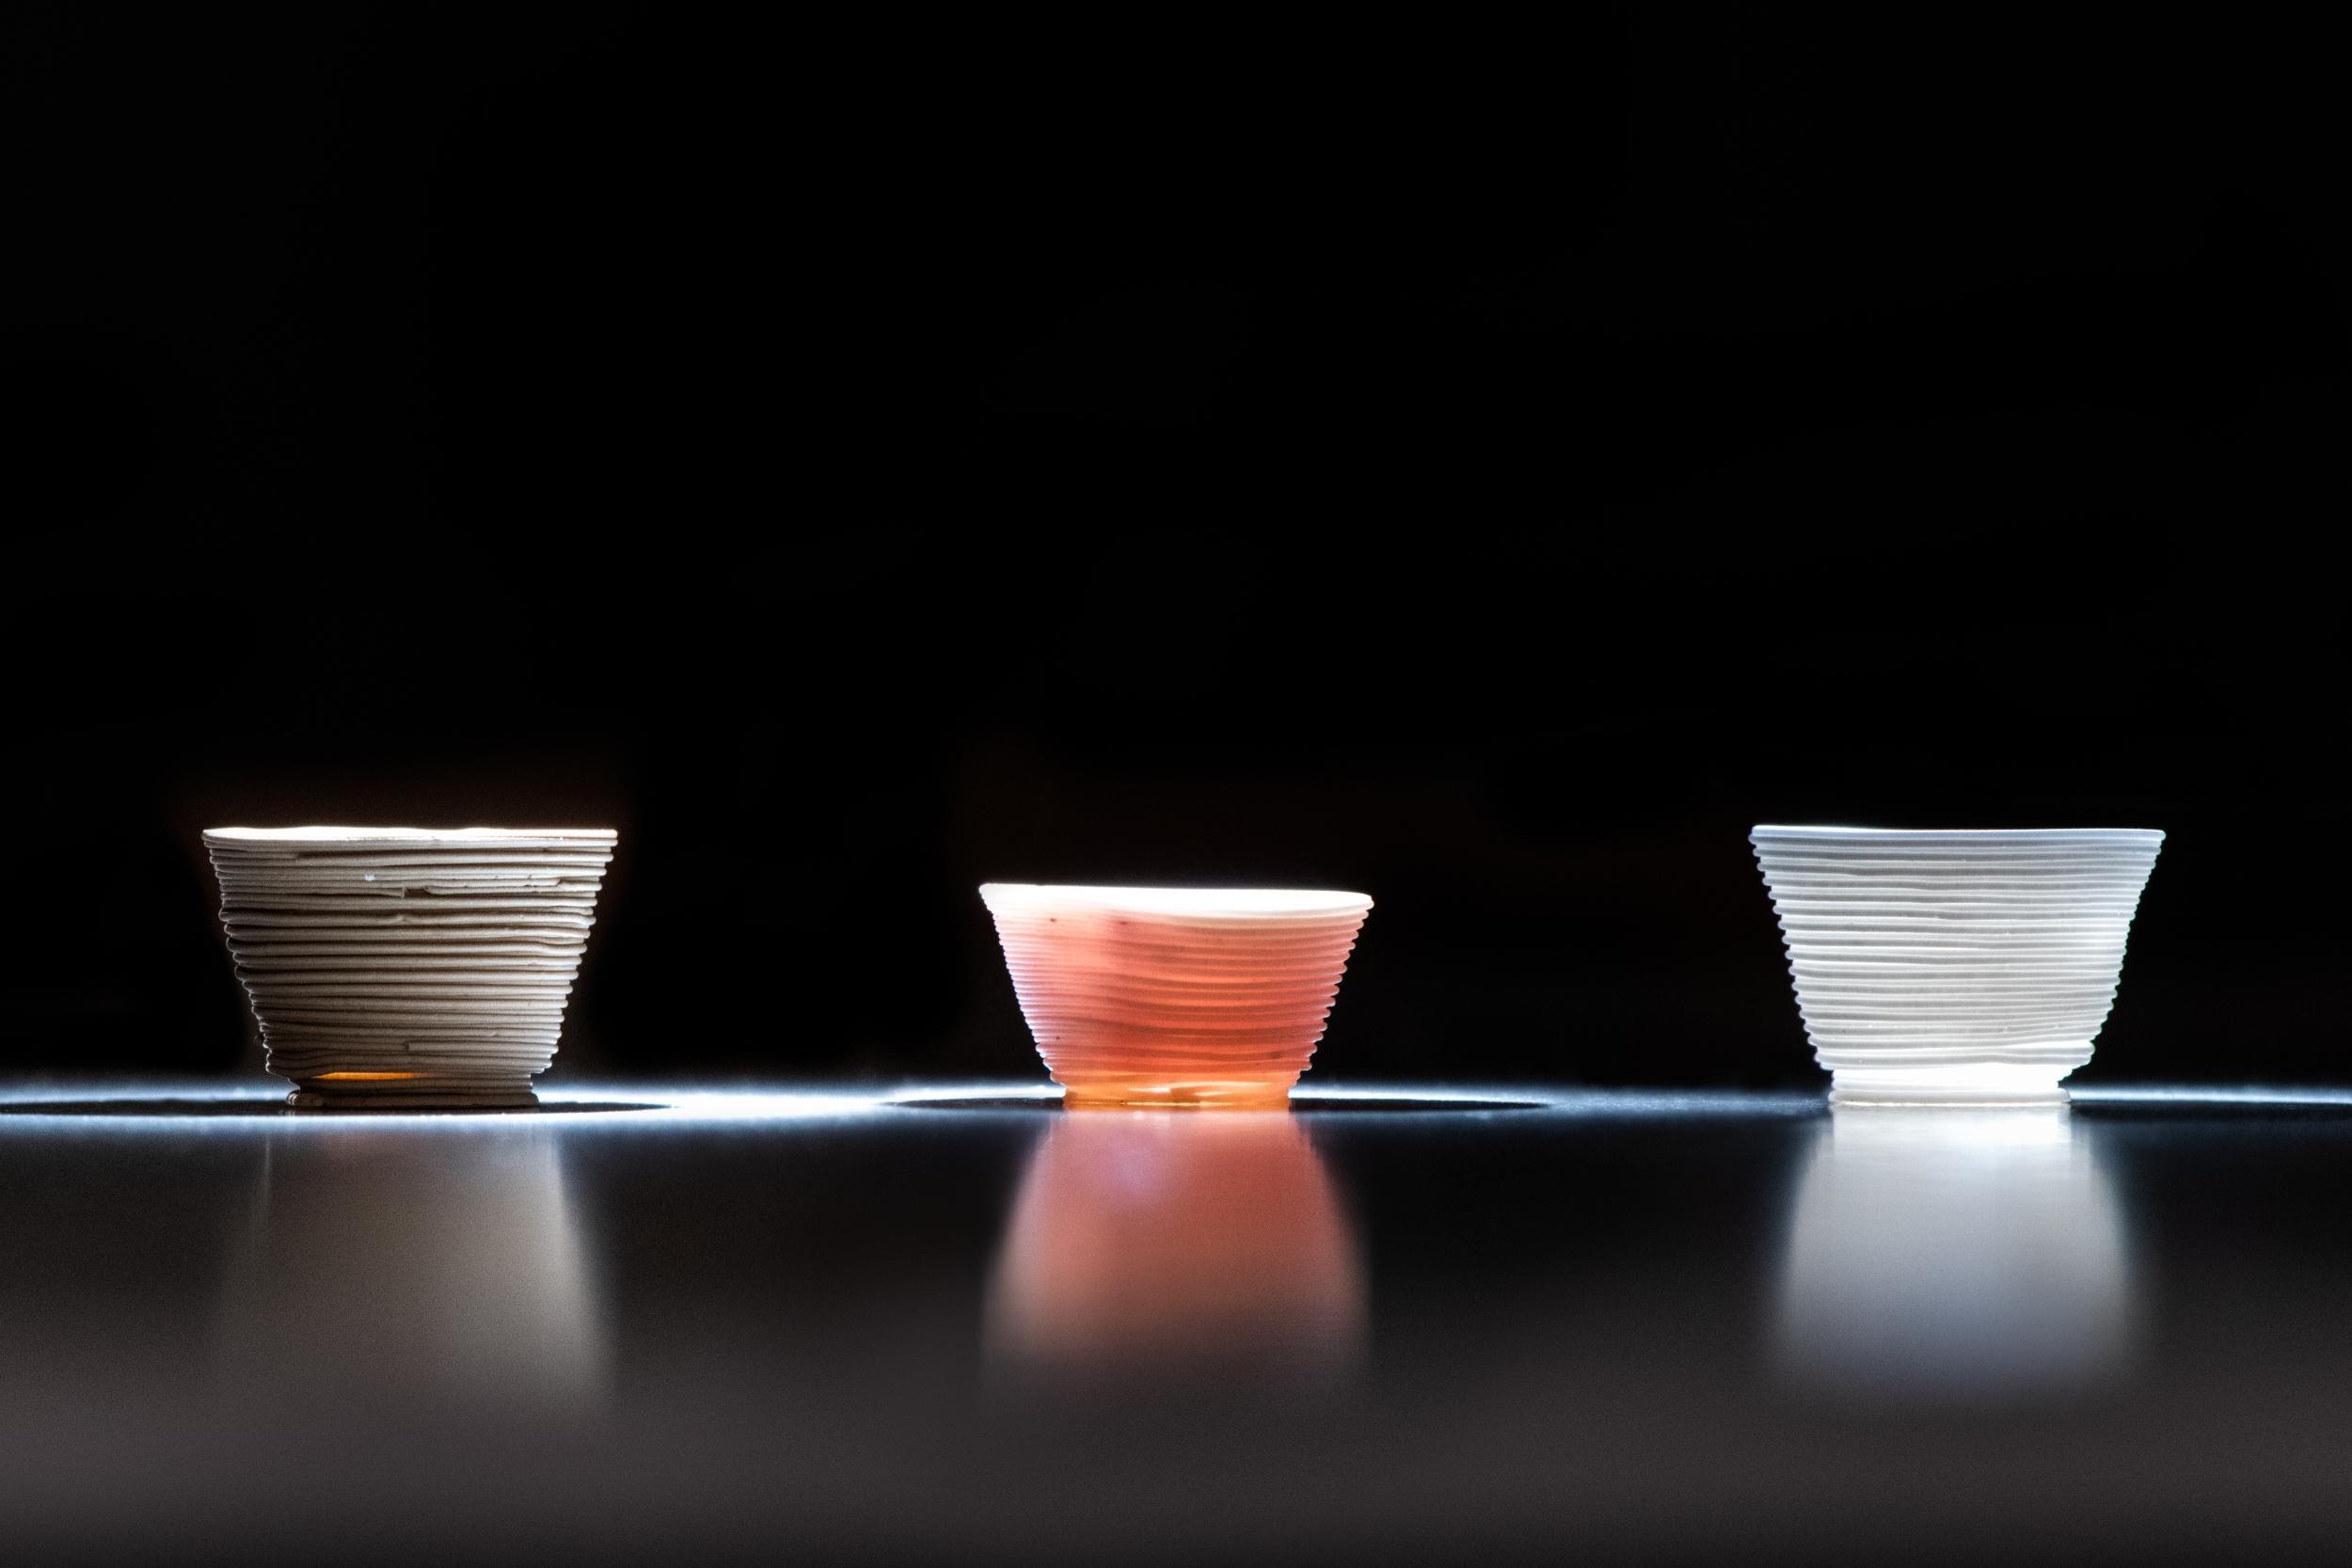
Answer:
(1493, 486)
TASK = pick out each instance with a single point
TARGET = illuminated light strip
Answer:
(2189, 1096)
(369, 1077)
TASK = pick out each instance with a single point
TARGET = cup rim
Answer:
(1227, 902)
(325, 834)
(1961, 835)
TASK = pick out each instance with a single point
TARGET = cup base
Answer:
(1957, 1084)
(441, 1099)
(1122, 1092)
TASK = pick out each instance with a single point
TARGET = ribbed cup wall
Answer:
(1179, 996)
(1960, 964)
(404, 967)
(1954, 966)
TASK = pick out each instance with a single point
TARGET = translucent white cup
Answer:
(1175, 996)
(407, 968)
(1954, 967)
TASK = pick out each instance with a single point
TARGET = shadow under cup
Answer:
(1200, 997)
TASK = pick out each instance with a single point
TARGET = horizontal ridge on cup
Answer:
(1175, 996)
(404, 966)
(1954, 965)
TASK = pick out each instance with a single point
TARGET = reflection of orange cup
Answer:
(1175, 996)
(1149, 1242)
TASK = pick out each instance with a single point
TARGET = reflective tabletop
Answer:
(1481, 1324)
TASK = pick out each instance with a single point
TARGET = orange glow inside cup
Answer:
(1190, 998)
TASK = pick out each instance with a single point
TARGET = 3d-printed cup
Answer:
(1954, 967)
(1175, 996)
(404, 968)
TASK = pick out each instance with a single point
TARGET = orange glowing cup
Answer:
(1175, 996)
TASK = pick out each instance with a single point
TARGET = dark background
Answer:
(1491, 478)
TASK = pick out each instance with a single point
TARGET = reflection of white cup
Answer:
(1953, 1256)
(1954, 967)
(1175, 996)
(404, 967)
(395, 1268)
(1147, 1242)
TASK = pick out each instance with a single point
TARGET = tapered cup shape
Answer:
(1175, 996)
(1955, 966)
(406, 968)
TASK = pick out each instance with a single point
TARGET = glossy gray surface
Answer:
(1460, 1324)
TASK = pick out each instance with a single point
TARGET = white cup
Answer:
(407, 968)
(1954, 967)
